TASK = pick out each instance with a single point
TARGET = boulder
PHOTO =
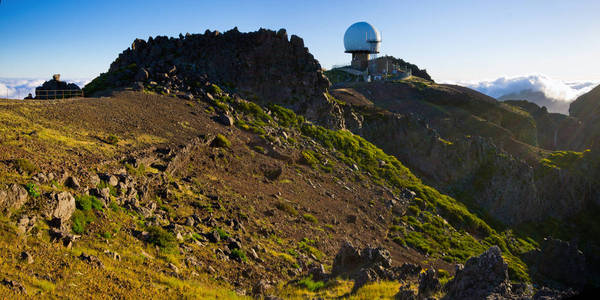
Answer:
(225, 119)
(262, 65)
(94, 180)
(363, 266)
(55, 88)
(112, 180)
(64, 206)
(92, 260)
(406, 294)
(317, 272)
(346, 260)
(13, 198)
(481, 277)
(142, 75)
(72, 182)
(429, 284)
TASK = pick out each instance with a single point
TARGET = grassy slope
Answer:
(436, 225)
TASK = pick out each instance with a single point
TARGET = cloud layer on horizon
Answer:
(551, 88)
(18, 88)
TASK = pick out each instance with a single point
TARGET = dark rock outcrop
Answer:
(429, 284)
(482, 277)
(57, 89)
(368, 265)
(264, 66)
(560, 261)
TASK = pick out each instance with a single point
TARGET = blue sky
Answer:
(453, 40)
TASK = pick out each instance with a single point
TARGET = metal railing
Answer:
(57, 94)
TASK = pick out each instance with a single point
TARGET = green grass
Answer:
(311, 285)
(310, 218)
(563, 159)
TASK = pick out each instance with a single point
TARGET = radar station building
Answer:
(362, 40)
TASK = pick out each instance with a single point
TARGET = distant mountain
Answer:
(539, 98)
(554, 94)
(587, 109)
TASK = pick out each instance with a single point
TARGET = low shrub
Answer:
(311, 285)
(286, 207)
(310, 218)
(24, 165)
(222, 233)
(220, 141)
(88, 202)
(112, 139)
(32, 190)
(80, 219)
(239, 254)
(161, 238)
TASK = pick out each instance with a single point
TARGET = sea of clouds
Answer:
(556, 93)
(18, 88)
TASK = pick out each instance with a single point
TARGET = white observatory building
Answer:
(361, 39)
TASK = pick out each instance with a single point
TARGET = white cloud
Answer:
(18, 88)
(553, 89)
(556, 95)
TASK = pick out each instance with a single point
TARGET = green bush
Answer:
(214, 89)
(221, 141)
(80, 219)
(239, 254)
(32, 190)
(286, 207)
(310, 218)
(24, 165)
(222, 233)
(88, 202)
(308, 158)
(112, 139)
(285, 117)
(161, 238)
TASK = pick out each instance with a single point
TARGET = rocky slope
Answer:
(193, 179)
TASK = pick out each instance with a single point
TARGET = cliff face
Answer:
(554, 131)
(586, 108)
(440, 135)
(453, 110)
(264, 66)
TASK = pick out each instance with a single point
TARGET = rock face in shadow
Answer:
(368, 265)
(264, 66)
(57, 89)
(560, 261)
(481, 277)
